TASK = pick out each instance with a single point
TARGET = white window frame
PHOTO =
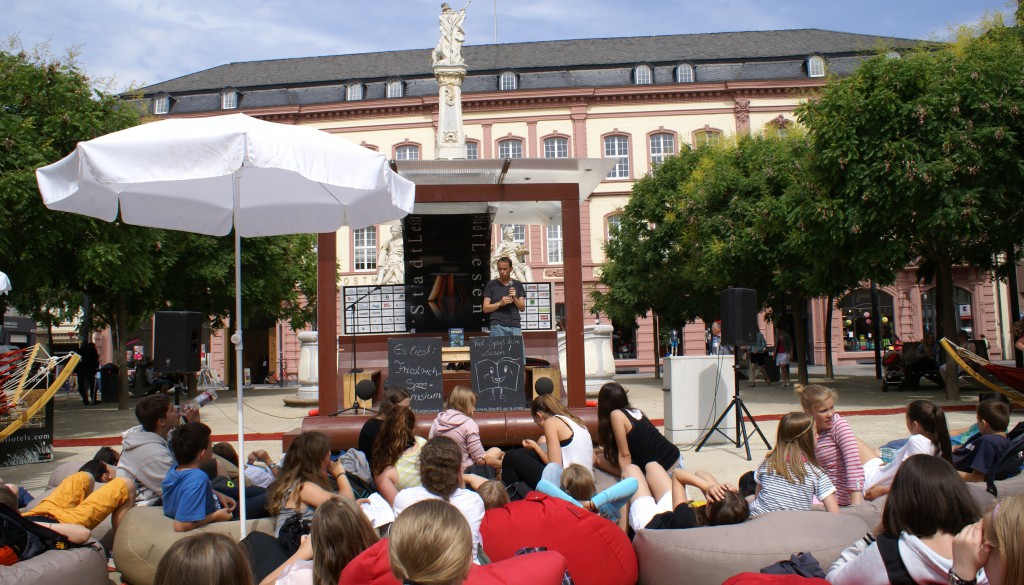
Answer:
(229, 100)
(556, 147)
(472, 150)
(816, 66)
(364, 249)
(612, 226)
(518, 232)
(354, 92)
(554, 243)
(617, 146)
(395, 89)
(404, 151)
(510, 148)
(685, 73)
(161, 105)
(658, 149)
(508, 81)
(643, 75)
(702, 137)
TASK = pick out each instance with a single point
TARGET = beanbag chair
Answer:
(581, 536)
(759, 579)
(372, 567)
(82, 566)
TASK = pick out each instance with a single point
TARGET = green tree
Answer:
(923, 155)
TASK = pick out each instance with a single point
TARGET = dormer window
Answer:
(354, 92)
(508, 81)
(395, 89)
(684, 73)
(229, 99)
(642, 75)
(816, 66)
(161, 104)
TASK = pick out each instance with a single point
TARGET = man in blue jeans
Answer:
(504, 298)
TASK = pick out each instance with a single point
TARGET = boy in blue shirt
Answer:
(187, 495)
(977, 456)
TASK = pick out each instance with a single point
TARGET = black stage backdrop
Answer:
(447, 259)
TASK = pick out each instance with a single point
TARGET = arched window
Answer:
(612, 226)
(858, 327)
(508, 81)
(510, 148)
(642, 75)
(354, 92)
(472, 150)
(816, 66)
(962, 311)
(617, 146)
(662, 144)
(407, 152)
(556, 147)
(395, 89)
(684, 73)
(707, 136)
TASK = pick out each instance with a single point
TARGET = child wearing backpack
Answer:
(976, 457)
(22, 538)
(188, 497)
(789, 478)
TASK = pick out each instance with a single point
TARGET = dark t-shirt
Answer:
(683, 516)
(979, 453)
(509, 314)
(367, 435)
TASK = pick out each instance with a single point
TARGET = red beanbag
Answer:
(760, 579)
(372, 567)
(598, 552)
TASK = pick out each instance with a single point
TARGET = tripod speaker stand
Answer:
(739, 327)
(365, 390)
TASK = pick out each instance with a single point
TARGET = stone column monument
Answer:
(450, 71)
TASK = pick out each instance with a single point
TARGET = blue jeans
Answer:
(506, 331)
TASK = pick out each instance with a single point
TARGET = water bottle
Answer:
(202, 400)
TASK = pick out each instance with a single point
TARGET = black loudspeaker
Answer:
(178, 338)
(739, 316)
(543, 386)
(366, 390)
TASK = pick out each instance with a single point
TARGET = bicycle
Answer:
(275, 380)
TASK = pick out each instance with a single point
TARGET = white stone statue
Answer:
(391, 259)
(449, 48)
(515, 252)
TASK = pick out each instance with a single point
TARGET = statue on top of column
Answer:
(449, 47)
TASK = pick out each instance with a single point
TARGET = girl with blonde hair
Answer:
(566, 438)
(994, 543)
(339, 532)
(431, 544)
(836, 447)
(789, 478)
(207, 557)
(456, 422)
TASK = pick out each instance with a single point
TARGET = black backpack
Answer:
(26, 538)
(1008, 464)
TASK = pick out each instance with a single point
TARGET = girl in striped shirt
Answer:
(789, 478)
(836, 449)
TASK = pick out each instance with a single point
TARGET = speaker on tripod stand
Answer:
(739, 328)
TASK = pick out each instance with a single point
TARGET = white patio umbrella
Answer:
(207, 175)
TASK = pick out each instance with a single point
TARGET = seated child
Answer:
(975, 458)
(577, 485)
(789, 478)
(8, 497)
(187, 495)
(456, 422)
(661, 502)
(75, 501)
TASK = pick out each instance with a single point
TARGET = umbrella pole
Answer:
(239, 347)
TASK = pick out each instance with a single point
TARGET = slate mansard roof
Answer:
(583, 63)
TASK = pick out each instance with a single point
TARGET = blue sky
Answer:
(142, 42)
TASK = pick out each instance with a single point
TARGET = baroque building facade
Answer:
(635, 99)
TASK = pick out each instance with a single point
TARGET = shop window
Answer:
(624, 340)
(962, 312)
(858, 327)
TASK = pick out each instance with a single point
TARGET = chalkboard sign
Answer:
(415, 364)
(497, 364)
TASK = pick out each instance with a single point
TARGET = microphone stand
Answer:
(355, 328)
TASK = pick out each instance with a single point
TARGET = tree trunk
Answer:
(120, 331)
(800, 338)
(829, 373)
(657, 345)
(945, 319)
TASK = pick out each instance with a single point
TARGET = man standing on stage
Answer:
(503, 299)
